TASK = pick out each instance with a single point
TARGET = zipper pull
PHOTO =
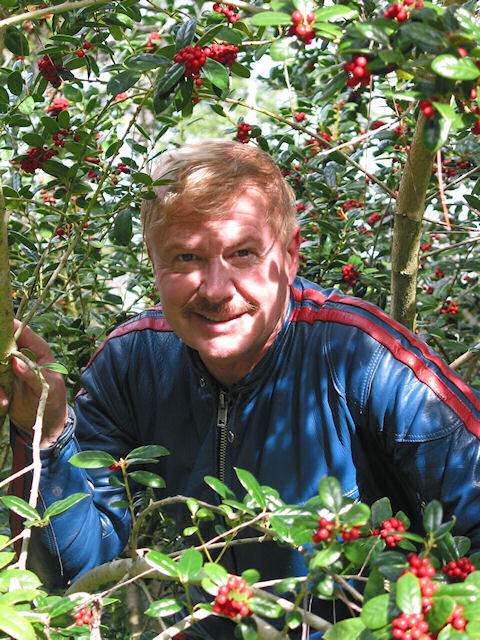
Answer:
(222, 411)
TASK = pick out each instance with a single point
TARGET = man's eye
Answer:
(186, 257)
(243, 253)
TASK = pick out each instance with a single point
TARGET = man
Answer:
(246, 365)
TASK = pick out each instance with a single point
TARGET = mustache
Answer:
(220, 309)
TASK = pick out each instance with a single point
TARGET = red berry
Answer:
(80, 53)
(297, 17)
(87, 45)
(311, 17)
(462, 52)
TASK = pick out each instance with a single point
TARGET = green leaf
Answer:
(431, 39)
(55, 366)
(62, 505)
(146, 61)
(282, 49)
(16, 42)
(248, 481)
(27, 579)
(15, 625)
(15, 83)
(379, 611)
(20, 507)
(162, 563)
(190, 563)
(263, 607)
(325, 557)
(54, 168)
(357, 515)
(216, 573)
(165, 607)
(148, 479)
(270, 18)
(337, 12)
(185, 34)
(455, 68)
(390, 564)
(346, 630)
(473, 201)
(467, 22)
(122, 228)
(219, 487)
(216, 73)
(432, 517)
(408, 594)
(6, 557)
(438, 615)
(121, 82)
(147, 451)
(168, 80)
(330, 493)
(92, 459)
(374, 32)
(435, 133)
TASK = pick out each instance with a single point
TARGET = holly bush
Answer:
(371, 111)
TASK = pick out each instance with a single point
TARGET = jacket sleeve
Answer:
(427, 421)
(95, 529)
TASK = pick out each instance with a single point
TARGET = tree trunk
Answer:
(407, 230)
(7, 342)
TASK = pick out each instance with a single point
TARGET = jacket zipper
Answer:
(222, 412)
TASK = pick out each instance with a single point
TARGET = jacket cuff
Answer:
(21, 438)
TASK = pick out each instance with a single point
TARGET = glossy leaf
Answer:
(168, 80)
(216, 73)
(123, 228)
(92, 459)
(165, 607)
(15, 625)
(379, 611)
(146, 61)
(185, 34)
(216, 573)
(270, 18)
(432, 517)
(121, 82)
(455, 68)
(249, 482)
(55, 366)
(189, 564)
(219, 487)
(162, 563)
(263, 607)
(16, 42)
(408, 594)
(147, 451)
(60, 506)
(20, 507)
(330, 493)
(347, 630)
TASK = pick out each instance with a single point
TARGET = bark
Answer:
(407, 231)
(7, 342)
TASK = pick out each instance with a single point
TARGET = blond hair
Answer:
(206, 177)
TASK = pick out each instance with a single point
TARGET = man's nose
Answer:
(217, 283)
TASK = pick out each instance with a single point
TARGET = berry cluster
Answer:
(427, 108)
(300, 116)
(302, 26)
(375, 217)
(230, 12)
(325, 529)
(410, 625)
(458, 570)
(350, 274)
(243, 132)
(450, 307)
(424, 571)
(232, 598)
(351, 534)
(58, 105)
(50, 71)
(439, 274)
(349, 204)
(83, 616)
(81, 52)
(357, 66)
(36, 156)
(152, 39)
(399, 10)
(456, 619)
(58, 138)
(194, 57)
(391, 531)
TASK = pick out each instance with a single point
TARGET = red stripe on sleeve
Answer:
(400, 353)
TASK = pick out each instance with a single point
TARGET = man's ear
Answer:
(292, 250)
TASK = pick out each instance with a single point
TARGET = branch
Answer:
(7, 342)
(48, 11)
(474, 352)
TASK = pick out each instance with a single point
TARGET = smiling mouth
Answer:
(216, 320)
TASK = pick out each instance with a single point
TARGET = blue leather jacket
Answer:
(344, 391)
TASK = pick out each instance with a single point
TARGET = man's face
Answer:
(224, 283)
